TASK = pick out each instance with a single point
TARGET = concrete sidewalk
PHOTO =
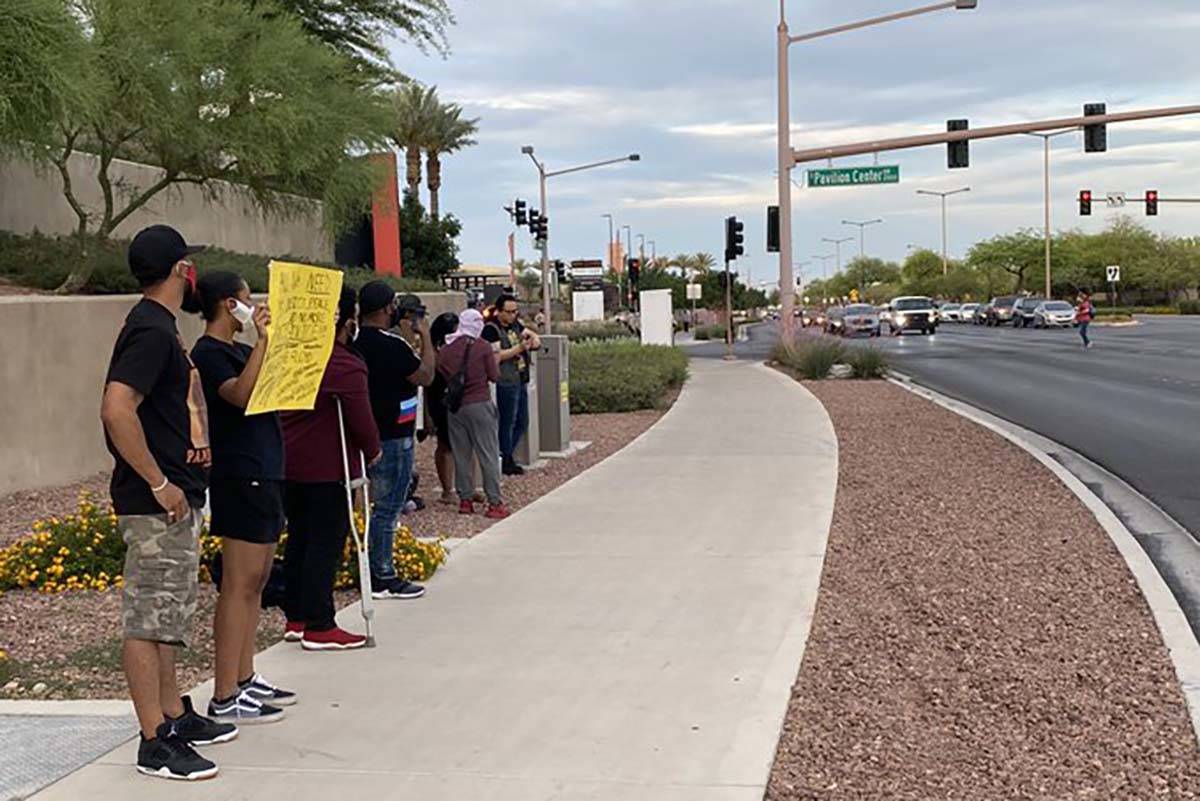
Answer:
(632, 636)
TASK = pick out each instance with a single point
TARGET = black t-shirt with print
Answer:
(512, 371)
(149, 357)
(390, 361)
(243, 446)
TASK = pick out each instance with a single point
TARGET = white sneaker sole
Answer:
(330, 646)
(249, 721)
(224, 738)
(290, 637)
(388, 595)
(165, 773)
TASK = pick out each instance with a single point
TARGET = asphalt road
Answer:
(1131, 403)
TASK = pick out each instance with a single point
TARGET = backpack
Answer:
(456, 385)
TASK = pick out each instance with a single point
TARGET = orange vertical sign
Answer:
(385, 218)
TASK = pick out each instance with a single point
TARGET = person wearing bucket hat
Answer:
(156, 428)
(395, 372)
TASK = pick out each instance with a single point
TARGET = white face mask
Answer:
(242, 313)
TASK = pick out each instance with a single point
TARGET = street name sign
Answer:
(1114, 273)
(854, 176)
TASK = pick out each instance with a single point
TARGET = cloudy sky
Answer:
(690, 85)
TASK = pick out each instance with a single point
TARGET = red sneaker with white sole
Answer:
(335, 639)
(466, 508)
(497, 511)
(293, 632)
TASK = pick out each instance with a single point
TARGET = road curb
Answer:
(1182, 645)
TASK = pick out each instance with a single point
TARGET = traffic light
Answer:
(532, 221)
(1095, 137)
(958, 153)
(735, 239)
(635, 271)
(722, 280)
(543, 228)
(1152, 203)
(520, 213)
(772, 229)
(1085, 203)
(561, 269)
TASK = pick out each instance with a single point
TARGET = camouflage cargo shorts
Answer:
(161, 580)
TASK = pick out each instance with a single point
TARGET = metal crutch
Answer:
(361, 542)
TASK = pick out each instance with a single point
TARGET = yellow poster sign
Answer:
(304, 302)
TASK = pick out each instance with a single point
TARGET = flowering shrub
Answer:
(84, 551)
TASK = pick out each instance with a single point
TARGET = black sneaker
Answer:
(169, 757)
(262, 690)
(243, 708)
(195, 729)
(397, 588)
(510, 468)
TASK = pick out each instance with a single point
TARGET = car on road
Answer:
(1022, 312)
(817, 317)
(912, 313)
(950, 312)
(968, 311)
(983, 314)
(857, 318)
(1054, 314)
(1001, 309)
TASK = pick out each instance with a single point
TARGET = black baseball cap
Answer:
(410, 303)
(373, 296)
(155, 250)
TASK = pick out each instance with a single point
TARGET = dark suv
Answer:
(1000, 310)
(1022, 312)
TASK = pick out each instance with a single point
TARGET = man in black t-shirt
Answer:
(156, 427)
(394, 373)
(512, 343)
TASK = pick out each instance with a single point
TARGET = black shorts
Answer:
(246, 509)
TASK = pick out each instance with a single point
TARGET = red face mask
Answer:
(191, 300)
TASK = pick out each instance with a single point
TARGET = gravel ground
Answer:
(977, 635)
(71, 642)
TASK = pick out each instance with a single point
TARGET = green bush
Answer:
(1189, 307)
(623, 376)
(593, 331)
(810, 358)
(714, 331)
(867, 361)
(43, 262)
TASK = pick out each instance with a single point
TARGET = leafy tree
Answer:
(428, 247)
(213, 90)
(358, 29)
(921, 272)
(40, 47)
(449, 132)
(1017, 254)
(415, 110)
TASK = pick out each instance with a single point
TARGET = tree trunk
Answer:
(433, 173)
(412, 157)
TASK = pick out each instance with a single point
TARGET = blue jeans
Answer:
(512, 401)
(390, 480)
(1083, 333)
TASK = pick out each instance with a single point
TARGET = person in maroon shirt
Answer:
(475, 426)
(314, 492)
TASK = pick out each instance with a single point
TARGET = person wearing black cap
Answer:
(156, 428)
(394, 372)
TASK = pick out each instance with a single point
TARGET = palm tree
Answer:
(703, 263)
(416, 110)
(448, 133)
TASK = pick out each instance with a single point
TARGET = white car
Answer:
(968, 311)
(950, 312)
(1054, 314)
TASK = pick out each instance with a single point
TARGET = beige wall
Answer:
(55, 354)
(31, 199)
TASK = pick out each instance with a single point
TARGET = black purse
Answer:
(456, 385)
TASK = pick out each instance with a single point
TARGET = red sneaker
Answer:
(333, 640)
(497, 511)
(293, 632)
(466, 508)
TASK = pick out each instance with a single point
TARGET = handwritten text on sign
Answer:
(304, 302)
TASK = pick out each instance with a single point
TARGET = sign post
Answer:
(694, 293)
(1114, 278)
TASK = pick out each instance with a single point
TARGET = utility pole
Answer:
(1046, 137)
(943, 196)
(862, 252)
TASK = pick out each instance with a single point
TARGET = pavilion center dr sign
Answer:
(854, 176)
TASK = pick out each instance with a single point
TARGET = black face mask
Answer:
(397, 316)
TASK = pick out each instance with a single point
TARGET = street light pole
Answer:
(824, 265)
(943, 196)
(862, 252)
(543, 174)
(1046, 137)
(787, 162)
(837, 243)
(628, 254)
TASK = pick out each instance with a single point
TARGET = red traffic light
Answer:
(1152, 203)
(1085, 203)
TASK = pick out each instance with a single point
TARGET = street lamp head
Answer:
(635, 157)
(966, 5)
(527, 150)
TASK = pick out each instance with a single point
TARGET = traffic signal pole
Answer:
(728, 314)
(786, 163)
(545, 241)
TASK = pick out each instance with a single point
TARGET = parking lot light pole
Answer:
(1046, 137)
(784, 129)
(544, 174)
(943, 196)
